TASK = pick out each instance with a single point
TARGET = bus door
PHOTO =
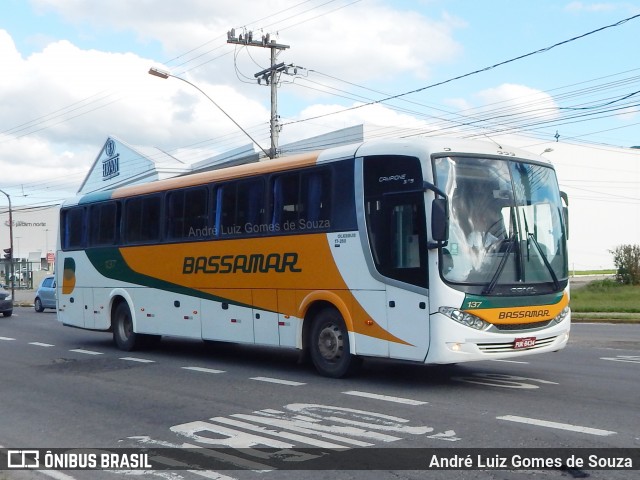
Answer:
(395, 224)
(407, 301)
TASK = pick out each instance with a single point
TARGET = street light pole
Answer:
(11, 246)
(159, 73)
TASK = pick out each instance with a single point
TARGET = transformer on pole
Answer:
(269, 75)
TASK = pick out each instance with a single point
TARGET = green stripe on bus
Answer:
(479, 302)
(110, 263)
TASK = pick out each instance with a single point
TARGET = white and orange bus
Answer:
(428, 250)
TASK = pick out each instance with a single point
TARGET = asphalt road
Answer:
(69, 388)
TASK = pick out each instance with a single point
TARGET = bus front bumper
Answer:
(459, 343)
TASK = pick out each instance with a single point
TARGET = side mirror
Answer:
(439, 217)
(440, 221)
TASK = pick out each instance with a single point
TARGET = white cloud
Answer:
(519, 98)
(59, 104)
(590, 7)
(360, 42)
(628, 114)
(602, 7)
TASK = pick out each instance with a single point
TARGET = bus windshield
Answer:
(506, 224)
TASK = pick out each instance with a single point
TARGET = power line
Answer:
(475, 72)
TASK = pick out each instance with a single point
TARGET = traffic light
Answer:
(7, 253)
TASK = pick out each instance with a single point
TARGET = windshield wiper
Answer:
(503, 261)
(556, 283)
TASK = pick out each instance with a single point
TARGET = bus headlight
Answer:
(464, 318)
(562, 315)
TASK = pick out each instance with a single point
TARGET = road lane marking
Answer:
(503, 381)
(510, 361)
(386, 398)
(204, 370)
(39, 344)
(7, 338)
(136, 359)
(560, 426)
(86, 352)
(277, 380)
(623, 358)
(56, 475)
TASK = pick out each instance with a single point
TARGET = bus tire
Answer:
(123, 335)
(329, 345)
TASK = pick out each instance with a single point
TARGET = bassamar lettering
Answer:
(253, 263)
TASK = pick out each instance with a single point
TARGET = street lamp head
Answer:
(158, 73)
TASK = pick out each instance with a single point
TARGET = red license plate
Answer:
(526, 342)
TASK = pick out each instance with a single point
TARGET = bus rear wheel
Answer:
(329, 345)
(123, 335)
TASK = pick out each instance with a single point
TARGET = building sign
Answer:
(111, 164)
(20, 223)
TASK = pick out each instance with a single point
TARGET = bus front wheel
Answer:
(123, 335)
(329, 345)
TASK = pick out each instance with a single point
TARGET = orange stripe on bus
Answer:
(524, 314)
(315, 276)
(239, 171)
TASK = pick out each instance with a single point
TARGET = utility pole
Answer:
(269, 75)
(11, 253)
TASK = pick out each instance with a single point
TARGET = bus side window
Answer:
(74, 228)
(103, 224)
(187, 214)
(240, 207)
(196, 212)
(395, 225)
(318, 188)
(286, 199)
(302, 199)
(175, 215)
(250, 203)
(395, 218)
(142, 219)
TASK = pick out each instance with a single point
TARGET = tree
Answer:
(627, 261)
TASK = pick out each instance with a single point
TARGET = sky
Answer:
(74, 72)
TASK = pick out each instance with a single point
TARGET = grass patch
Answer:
(606, 296)
(594, 272)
